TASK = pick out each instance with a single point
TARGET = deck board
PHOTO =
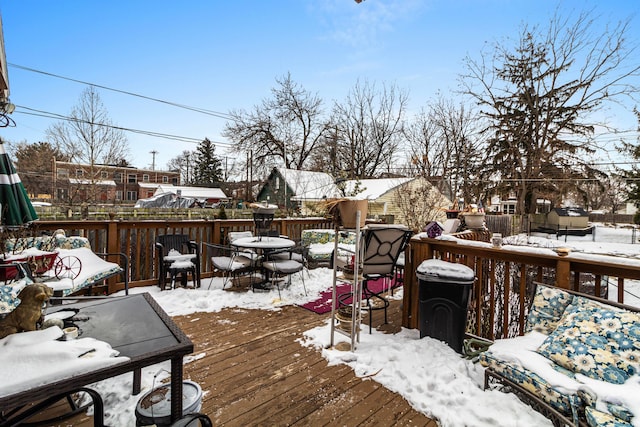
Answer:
(254, 372)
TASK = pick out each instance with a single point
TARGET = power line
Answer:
(174, 104)
(49, 115)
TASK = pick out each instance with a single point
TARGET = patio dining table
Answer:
(263, 245)
(134, 325)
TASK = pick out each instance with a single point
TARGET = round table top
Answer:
(265, 242)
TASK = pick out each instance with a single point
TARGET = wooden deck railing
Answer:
(136, 239)
(505, 280)
(501, 294)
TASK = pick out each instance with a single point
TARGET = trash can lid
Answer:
(436, 270)
(155, 405)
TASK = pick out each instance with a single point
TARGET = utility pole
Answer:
(153, 161)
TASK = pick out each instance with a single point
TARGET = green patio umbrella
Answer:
(16, 209)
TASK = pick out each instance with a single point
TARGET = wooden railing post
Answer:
(217, 233)
(563, 273)
(416, 254)
(113, 246)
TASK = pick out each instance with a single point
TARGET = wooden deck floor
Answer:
(254, 372)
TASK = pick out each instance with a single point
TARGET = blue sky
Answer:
(225, 55)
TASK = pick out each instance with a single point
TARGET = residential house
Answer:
(82, 183)
(290, 189)
(400, 200)
(389, 198)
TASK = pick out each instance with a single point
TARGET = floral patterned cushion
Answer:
(597, 418)
(566, 402)
(321, 242)
(590, 339)
(46, 243)
(547, 308)
(9, 294)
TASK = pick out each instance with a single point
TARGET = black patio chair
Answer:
(380, 248)
(166, 268)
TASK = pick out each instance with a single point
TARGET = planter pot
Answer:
(474, 220)
(348, 212)
(262, 208)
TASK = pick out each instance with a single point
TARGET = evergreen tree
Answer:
(207, 170)
(541, 97)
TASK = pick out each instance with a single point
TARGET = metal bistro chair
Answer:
(182, 244)
(278, 267)
(230, 262)
(381, 247)
(299, 253)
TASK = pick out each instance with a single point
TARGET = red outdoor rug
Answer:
(323, 304)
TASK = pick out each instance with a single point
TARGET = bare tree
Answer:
(539, 96)
(34, 163)
(367, 130)
(445, 146)
(284, 129)
(420, 203)
(184, 164)
(89, 137)
(604, 192)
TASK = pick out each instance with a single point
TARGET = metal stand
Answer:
(356, 289)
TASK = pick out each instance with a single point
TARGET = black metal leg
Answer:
(176, 388)
(98, 409)
(137, 381)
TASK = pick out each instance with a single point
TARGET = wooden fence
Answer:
(505, 278)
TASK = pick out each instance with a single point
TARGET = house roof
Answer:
(310, 185)
(314, 186)
(198, 193)
(573, 211)
(372, 189)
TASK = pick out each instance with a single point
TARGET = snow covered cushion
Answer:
(548, 306)
(597, 340)
(9, 294)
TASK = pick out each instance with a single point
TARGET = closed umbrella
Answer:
(16, 209)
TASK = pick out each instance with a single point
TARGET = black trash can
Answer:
(444, 290)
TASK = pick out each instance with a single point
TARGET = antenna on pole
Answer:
(153, 161)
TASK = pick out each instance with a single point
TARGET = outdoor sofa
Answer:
(93, 268)
(320, 244)
(578, 359)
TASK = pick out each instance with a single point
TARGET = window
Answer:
(174, 181)
(132, 195)
(104, 174)
(509, 208)
(118, 195)
(165, 179)
(79, 173)
(145, 178)
(62, 194)
(117, 177)
(63, 173)
(132, 178)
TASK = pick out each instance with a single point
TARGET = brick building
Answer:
(80, 183)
